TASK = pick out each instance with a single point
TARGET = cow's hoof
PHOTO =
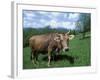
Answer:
(37, 62)
(33, 62)
(48, 65)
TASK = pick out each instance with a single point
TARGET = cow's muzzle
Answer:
(66, 49)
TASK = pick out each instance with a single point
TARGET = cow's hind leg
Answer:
(36, 57)
(32, 57)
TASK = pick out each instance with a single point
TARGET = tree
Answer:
(84, 23)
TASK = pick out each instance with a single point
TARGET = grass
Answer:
(78, 55)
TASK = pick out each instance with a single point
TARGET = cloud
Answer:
(65, 24)
(35, 25)
(73, 16)
(53, 24)
(43, 12)
(55, 14)
(27, 25)
(65, 15)
(29, 14)
(40, 19)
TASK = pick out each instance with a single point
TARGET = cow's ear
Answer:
(57, 39)
(71, 37)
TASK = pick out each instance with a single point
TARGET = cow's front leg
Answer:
(58, 51)
(49, 57)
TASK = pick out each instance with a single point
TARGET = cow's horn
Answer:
(68, 32)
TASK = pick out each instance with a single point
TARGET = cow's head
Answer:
(64, 38)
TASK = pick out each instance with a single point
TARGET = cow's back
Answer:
(39, 42)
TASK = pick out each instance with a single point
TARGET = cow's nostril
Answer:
(67, 49)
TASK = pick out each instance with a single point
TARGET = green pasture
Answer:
(78, 55)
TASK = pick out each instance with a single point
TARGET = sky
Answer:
(41, 19)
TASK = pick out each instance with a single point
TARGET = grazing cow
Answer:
(47, 43)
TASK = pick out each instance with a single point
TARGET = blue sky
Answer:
(40, 19)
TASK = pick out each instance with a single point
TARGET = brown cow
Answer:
(47, 43)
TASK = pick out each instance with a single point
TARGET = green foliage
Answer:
(86, 20)
(84, 23)
(79, 49)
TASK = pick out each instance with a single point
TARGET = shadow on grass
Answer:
(61, 57)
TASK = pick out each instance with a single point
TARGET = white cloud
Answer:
(65, 15)
(46, 23)
(42, 20)
(27, 24)
(65, 24)
(50, 16)
(55, 20)
(36, 25)
(72, 25)
(30, 14)
(55, 14)
(43, 12)
(73, 15)
(53, 24)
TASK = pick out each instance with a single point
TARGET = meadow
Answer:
(79, 55)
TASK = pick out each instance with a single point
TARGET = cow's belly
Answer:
(43, 52)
